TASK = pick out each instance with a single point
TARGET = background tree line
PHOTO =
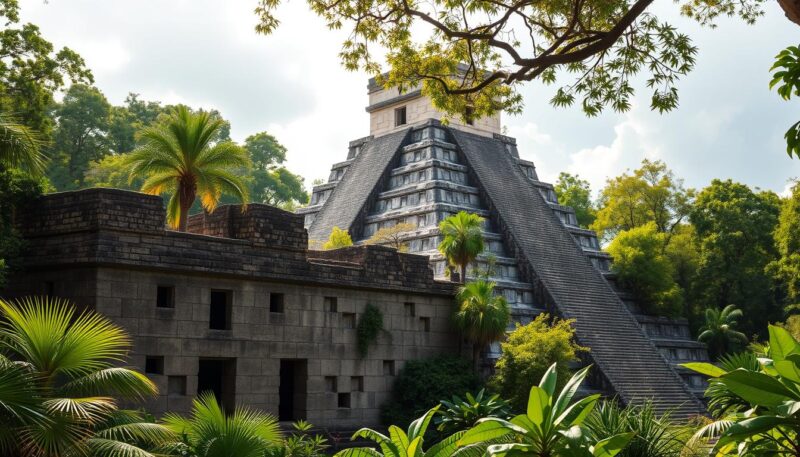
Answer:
(682, 250)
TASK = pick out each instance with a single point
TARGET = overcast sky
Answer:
(205, 53)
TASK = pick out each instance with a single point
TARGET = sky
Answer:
(205, 53)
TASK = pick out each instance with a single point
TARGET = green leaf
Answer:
(359, 452)
(611, 446)
(747, 428)
(538, 401)
(576, 413)
(756, 388)
(569, 390)
(705, 368)
(548, 382)
(414, 447)
(788, 370)
(489, 429)
(781, 343)
(501, 450)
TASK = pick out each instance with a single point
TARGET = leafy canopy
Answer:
(719, 331)
(643, 269)
(482, 315)
(786, 268)
(477, 54)
(575, 192)
(462, 239)
(786, 80)
(651, 193)
(394, 236)
(338, 239)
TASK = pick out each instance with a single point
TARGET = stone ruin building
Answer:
(240, 306)
(414, 169)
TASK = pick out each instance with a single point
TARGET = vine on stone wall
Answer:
(369, 327)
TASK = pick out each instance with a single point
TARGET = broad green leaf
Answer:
(414, 447)
(419, 426)
(789, 408)
(705, 368)
(548, 382)
(611, 446)
(399, 438)
(538, 402)
(359, 452)
(747, 428)
(578, 411)
(756, 388)
(489, 429)
(523, 421)
(781, 343)
(500, 450)
(788, 370)
(446, 447)
(565, 397)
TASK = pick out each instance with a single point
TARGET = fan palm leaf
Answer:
(719, 332)
(21, 146)
(181, 157)
(59, 393)
(482, 315)
(462, 240)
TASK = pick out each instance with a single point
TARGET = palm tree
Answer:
(718, 331)
(482, 316)
(58, 383)
(462, 240)
(209, 432)
(20, 146)
(180, 156)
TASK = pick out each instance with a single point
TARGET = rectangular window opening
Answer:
(165, 297)
(357, 383)
(349, 320)
(220, 310)
(344, 400)
(388, 367)
(276, 303)
(331, 304)
(426, 323)
(400, 116)
(154, 364)
(409, 309)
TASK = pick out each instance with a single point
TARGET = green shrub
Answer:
(527, 354)
(369, 327)
(421, 384)
(654, 436)
(339, 239)
(642, 268)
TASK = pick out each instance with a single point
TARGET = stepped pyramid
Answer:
(414, 169)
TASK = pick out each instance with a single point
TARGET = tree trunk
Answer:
(463, 273)
(792, 10)
(187, 194)
(476, 357)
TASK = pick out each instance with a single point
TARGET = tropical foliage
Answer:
(20, 146)
(369, 326)
(552, 425)
(422, 383)
(461, 414)
(575, 192)
(786, 268)
(786, 80)
(301, 443)
(771, 423)
(411, 442)
(60, 383)
(482, 315)
(209, 432)
(642, 268)
(528, 353)
(719, 331)
(653, 436)
(180, 157)
(338, 239)
(462, 240)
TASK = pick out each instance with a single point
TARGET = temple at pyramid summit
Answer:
(414, 169)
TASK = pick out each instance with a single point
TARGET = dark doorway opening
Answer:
(220, 310)
(218, 376)
(292, 390)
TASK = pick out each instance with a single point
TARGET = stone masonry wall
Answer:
(103, 249)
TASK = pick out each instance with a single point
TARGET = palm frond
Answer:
(117, 381)
(21, 146)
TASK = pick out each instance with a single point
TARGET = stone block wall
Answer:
(108, 250)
